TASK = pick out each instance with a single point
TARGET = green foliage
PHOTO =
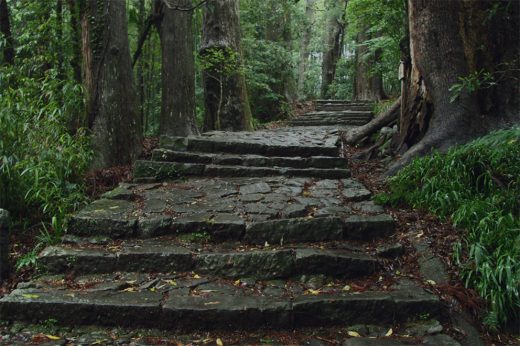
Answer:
(41, 160)
(477, 186)
(342, 86)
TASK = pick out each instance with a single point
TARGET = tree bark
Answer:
(368, 85)
(449, 40)
(356, 134)
(5, 29)
(334, 34)
(112, 101)
(75, 30)
(225, 96)
(304, 47)
(177, 71)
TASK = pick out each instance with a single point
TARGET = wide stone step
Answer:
(196, 303)
(340, 115)
(148, 171)
(332, 118)
(359, 102)
(167, 256)
(248, 160)
(328, 122)
(340, 107)
(220, 145)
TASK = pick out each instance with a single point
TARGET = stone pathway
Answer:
(232, 231)
(336, 113)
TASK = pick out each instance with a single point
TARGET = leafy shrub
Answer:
(477, 186)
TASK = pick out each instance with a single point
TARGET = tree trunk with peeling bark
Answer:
(449, 40)
(112, 106)
(334, 34)
(225, 95)
(177, 71)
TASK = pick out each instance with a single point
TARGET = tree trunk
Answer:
(177, 71)
(112, 101)
(368, 85)
(304, 47)
(75, 30)
(225, 94)
(356, 134)
(449, 40)
(5, 29)
(334, 34)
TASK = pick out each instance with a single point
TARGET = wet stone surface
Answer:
(224, 206)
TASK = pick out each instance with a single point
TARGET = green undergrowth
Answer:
(477, 187)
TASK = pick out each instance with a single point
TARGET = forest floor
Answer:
(413, 227)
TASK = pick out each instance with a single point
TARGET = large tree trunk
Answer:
(225, 94)
(449, 40)
(334, 34)
(177, 71)
(5, 29)
(112, 102)
(368, 85)
(304, 47)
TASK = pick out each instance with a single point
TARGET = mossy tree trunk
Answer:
(177, 70)
(225, 95)
(112, 108)
(456, 39)
(368, 84)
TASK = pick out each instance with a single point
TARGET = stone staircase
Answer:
(229, 231)
(336, 113)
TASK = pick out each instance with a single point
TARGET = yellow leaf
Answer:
(31, 296)
(390, 332)
(306, 193)
(237, 283)
(347, 288)
(353, 334)
(211, 303)
(313, 292)
(153, 289)
(431, 282)
(171, 282)
(52, 337)
(219, 342)
(196, 276)
(130, 289)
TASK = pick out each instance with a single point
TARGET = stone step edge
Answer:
(289, 231)
(150, 171)
(211, 145)
(150, 309)
(260, 264)
(323, 162)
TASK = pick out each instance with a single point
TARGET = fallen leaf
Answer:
(219, 342)
(130, 289)
(211, 303)
(347, 288)
(431, 282)
(196, 276)
(153, 289)
(237, 283)
(171, 282)
(30, 296)
(353, 334)
(313, 292)
(52, 337)
(390, 332)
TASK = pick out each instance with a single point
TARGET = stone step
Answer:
(332, 118)
(342, 115)
(341, 107)
(343, 102)
(248, 160)
(166, 255)
(328, 123)
(176, 302)
(149, 171)
(428, 340)
(209, 145)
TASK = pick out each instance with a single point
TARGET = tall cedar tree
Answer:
(225, 95)
(368, 84)
(112, 108)
(177, 70)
